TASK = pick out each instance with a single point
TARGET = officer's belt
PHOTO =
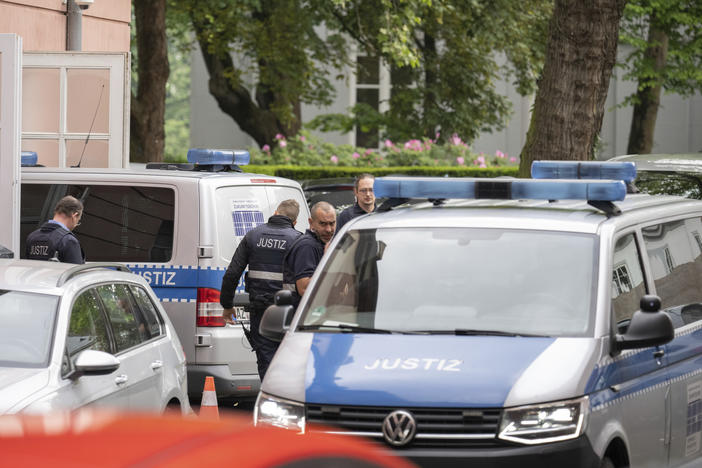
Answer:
(265, 275)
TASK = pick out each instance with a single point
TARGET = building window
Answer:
(73, 109)
(368, 93)
(622, 280)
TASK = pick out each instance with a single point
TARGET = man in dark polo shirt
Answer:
(304, 255)
(365, 200)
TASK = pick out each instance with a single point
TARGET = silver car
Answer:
(77, 335)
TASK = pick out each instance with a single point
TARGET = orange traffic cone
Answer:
(208, 404)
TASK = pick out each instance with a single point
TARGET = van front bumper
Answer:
(576, 453)
(227, 385)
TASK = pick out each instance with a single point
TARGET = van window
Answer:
(120, 223)
(676, 264)
(242, 208)
(628, 285)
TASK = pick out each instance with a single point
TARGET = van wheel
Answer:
(607, 463)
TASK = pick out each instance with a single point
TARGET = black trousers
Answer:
(265, 349)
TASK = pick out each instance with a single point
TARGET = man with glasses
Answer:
(365, 200)
(54, 240)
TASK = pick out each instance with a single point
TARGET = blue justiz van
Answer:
(547, 322)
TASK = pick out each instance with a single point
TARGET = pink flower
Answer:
(283, 143)
(460, 160)
(279, 136)
(500, 154)
(368, 151)
(513, 159)
(266, 148)
(482, 165)
(437, 135)
(302, 138)
(388, 143)
(334, 159)
(480, 160)
(355, 155)
(455, 140)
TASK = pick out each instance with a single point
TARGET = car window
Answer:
(674, 251)
(26, 328)
(128, 327)
(119, 223)
(670, 183)
(443, 279)
(87, 328)
(628, 286)
(148, 310)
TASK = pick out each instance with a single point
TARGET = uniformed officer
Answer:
(304, 255)
(262, 249)
(55, 239)
(365, 200)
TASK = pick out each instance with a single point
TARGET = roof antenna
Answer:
(85, 145)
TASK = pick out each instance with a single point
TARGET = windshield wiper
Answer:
(471, 332)
(346, 328)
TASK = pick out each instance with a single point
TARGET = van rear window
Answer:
(119, 224)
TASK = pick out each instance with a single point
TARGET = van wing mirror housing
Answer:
(648, 327)
(276, 321)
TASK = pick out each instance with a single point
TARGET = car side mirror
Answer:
(93, 362)
(276, 319)
(648, 327)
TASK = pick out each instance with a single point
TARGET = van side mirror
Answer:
(648, 327)
(277, 318)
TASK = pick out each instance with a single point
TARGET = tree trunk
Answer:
(148, 107)
(569, 106)
(254, 116)
(648, 96)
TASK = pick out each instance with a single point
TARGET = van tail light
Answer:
(209, 311)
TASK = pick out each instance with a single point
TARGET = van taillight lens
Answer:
(209, 311)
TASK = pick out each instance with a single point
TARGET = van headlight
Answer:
(279, 412)
(540, 424)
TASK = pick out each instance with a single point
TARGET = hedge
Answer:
(323, 172)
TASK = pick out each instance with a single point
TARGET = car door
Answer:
(638, 377)
(139, 356)
(88, 329)
(674, 252)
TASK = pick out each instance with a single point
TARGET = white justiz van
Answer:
(177, 225)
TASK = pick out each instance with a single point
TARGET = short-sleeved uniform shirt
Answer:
(301, 261)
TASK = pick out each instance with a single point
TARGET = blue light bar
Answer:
(502, 189)
(218, 157)
(614, 170)
(28, 158)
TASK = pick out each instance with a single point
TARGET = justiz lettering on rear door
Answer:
(445, 365)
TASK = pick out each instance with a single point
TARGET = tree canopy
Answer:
(666, 41)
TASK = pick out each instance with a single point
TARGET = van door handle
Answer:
(121, 379)
(156, 365)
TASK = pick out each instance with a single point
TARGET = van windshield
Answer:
(457, 280)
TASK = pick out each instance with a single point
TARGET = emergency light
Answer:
(28, 158)
(503, 189)
(614, 170)
(218, 157)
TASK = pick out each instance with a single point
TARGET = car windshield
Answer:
(457, 280)
(684, 184)
(26, 328)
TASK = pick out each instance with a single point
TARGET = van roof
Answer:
(82, 173)
(566, 215)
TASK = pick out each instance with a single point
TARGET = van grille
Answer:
(436, 427)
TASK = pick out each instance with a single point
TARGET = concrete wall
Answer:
(42, 24)
(678, 129)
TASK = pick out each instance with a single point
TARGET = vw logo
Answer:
(399, 428)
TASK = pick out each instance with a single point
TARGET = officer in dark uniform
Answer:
(365, 200)
(262, 249)
(54, 240)
(304, 255)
